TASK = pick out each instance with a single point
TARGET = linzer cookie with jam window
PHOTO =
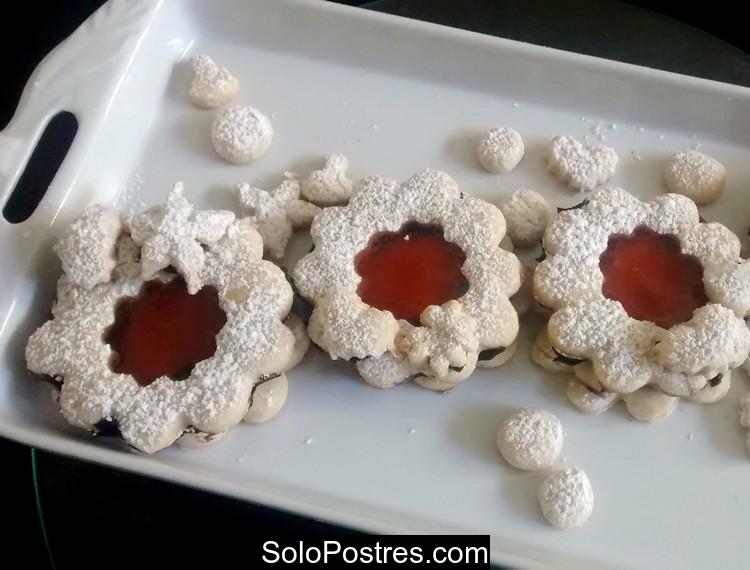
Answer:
(409, 281)
(647, 303)
(181, 331)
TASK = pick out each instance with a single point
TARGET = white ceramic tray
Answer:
(396, 96)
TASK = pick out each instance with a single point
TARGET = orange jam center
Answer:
(406, 271)
(652, 278)
(164, 331)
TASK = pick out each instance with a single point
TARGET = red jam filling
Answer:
(406, 271)
(652, 278)
(164, 331)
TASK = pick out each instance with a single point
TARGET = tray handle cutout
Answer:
(45, 160)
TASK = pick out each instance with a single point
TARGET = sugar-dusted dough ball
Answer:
(500, 150)
(241, 134)
(530, 439)
(566, 498)
(695, 175)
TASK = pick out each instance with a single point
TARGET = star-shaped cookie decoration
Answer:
(175, 235)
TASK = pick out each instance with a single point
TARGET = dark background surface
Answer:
(98, 517)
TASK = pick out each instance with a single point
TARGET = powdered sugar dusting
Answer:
(343, 325)
(707, 344)
(447, 337)
(174, 234)
(87, 247)
(566, 498)
(531, 439)
(385, 371)
(331, 185)
(277, 213)
(128, 198)
(241, 134)
(500, 150)
(212, 86)
(696, 175)
(589, 326)
(255, 297)
(581, 167)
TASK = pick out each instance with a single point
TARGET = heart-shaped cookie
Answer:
(583, 167)
(212, 86)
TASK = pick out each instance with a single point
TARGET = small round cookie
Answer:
(530, 439)
(544, 355)
(527, 214)
(494, 357)
(500, 150)
(716, 388)
(566, 498)
(212, 86)
(241, 134)
(583, 167)
(267, 399)
(648, 404)
(695, 175)
(589, 401)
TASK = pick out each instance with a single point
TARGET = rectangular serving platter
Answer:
(395, 96)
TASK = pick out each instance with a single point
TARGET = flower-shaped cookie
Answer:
(277, 213)
(645, 291)
(376, 273)
(175, 234)
(87, 344)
